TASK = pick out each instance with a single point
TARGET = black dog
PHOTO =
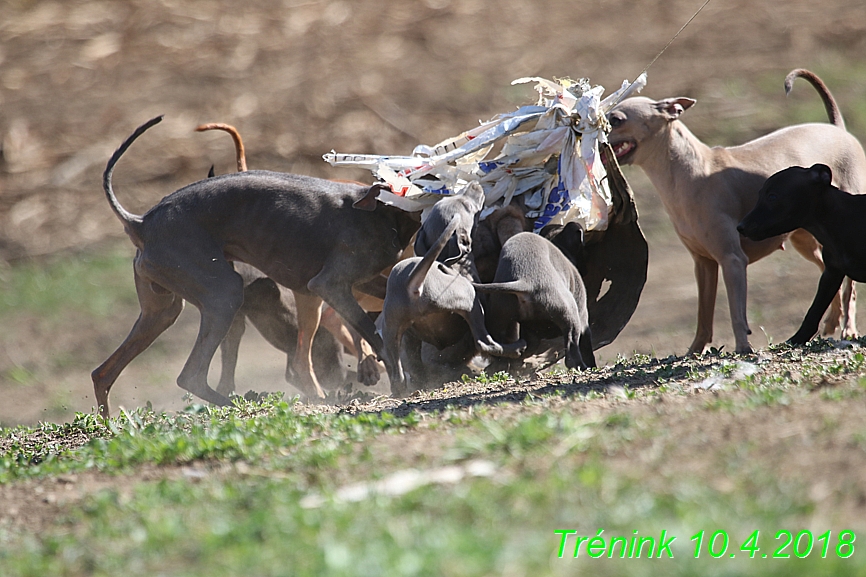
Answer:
(804, 198)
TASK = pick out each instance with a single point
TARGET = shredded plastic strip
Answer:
(549, 154)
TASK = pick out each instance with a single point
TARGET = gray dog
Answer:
(317, 237)
(537, 293)
(805, 198)
(707, 191)
(436, 300)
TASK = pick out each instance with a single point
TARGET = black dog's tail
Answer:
(513, 287)
(236, 137)
(829, 102)
(416, 278)
(131, 222)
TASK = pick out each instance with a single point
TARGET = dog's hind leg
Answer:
(810, 249)
(563, 311)
(309, 314)
(707, 276)
(210, 283)
(484, 342)
(849, 310)
(159, 310)
(586, 348)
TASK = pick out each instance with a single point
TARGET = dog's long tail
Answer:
(416, 279)
(239, 144)
(131, 222)
(513, 287)
(829, 102)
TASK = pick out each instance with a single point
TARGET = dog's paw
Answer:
(798, 340)
(745, 349)
(494, 349)
(514, 350)
(368, 371)
(399, 391)
(850, 335)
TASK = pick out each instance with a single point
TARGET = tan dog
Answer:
(707, 191)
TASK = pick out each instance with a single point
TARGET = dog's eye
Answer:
(771, 197)
(615, 120)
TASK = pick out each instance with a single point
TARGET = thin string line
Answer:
(671, 41)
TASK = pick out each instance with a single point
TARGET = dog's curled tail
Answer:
(236, 137)
(513, 287)
(131, 222)
(829, 102)
(416, 279)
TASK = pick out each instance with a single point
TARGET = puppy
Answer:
(436, 300)
(805, 198)
(538, 293)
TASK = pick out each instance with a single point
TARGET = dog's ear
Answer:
(568, 239)
(421, 245)
(368, 202)
(475, 193)
(821, 173)
(672, 108)
(571, 238)
(210, 173)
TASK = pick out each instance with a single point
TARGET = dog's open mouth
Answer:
(623, 150)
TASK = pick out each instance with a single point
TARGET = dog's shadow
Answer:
(567, 386)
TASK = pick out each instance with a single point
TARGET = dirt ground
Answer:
(300, 78)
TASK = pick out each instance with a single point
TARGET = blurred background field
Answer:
(301, 78)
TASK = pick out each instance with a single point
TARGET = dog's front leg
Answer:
(707, 277)
(332, 289)
(828, 287)
(734, 273)
(368, 366)
(839, 311)
(484, 342)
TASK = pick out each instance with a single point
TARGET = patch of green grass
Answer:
(19, 375)
(248, 431)
(49, 287)
(484, 378)
(550, 474)
(608, 470)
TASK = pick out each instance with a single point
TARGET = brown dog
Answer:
(707, 191)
